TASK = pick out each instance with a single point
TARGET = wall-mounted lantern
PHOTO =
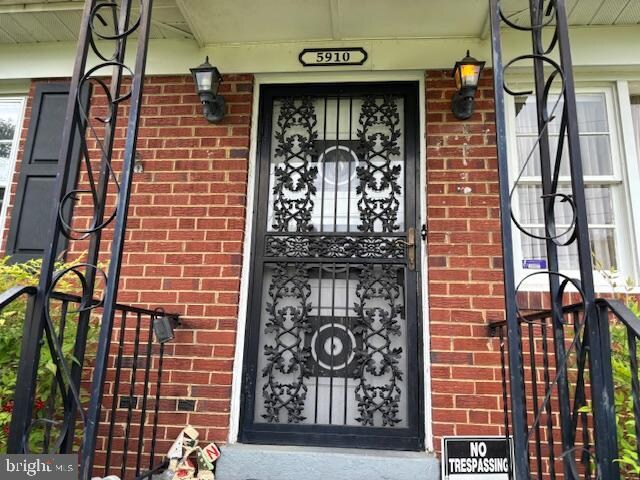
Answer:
(207, 79)
(467, 74)
(164, 326)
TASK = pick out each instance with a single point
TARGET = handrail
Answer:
(618, 308)
(572, 349)
(128, 308)
(622, 313)
(143, 359)
(14, 293)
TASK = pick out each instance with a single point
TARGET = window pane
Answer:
(599, 205)
(602, 241)
(526, 119)
(591, 109)
(9, 113)
(5, 149)
(592, 113)
(528, 144)
(635, 114)
(595, 150)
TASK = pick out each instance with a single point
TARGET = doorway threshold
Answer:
(267, 462)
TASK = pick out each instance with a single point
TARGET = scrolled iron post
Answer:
(599, 355)
(96, 236)
(546, 172)
(30, 354)
(117, 246)
(516, 379)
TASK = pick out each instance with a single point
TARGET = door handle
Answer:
(410, 246)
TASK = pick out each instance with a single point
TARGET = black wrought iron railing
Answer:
(105, 30)
(555, 165)
(565, 447)
(131, 401)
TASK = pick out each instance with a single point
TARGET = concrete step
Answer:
(264, 462)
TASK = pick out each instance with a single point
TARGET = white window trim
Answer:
(625, 174)
(329, 77)
(13, 155)
(632, 164)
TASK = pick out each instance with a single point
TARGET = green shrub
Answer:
(12, 320)
(623, 396)
(621, 370)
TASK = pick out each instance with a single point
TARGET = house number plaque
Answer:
(323, 57)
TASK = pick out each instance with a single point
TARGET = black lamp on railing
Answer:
(164, 325)
(467, 74)
(207, 79)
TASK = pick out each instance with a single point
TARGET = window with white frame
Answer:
(604, 172)
(10, 121)
(635, 115)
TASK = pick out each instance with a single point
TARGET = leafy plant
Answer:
(623, 395)
(622, 376)
(47, 400)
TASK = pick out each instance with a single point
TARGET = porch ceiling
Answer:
(38, 21)
(216, 22)
(240, 21)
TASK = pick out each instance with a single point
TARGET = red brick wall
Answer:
(465, 262)
(184, 251)
(184, 241)
(186, 228)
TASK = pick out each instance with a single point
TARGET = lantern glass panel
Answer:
(469, 74)
(205, 80)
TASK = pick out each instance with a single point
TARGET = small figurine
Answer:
(188, 461)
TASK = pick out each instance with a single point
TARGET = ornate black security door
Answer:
(332, 353)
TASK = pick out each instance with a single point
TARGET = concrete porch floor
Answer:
(264, 462)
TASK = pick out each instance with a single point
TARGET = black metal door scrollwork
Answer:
(287, 357)
(333, 325)
(294, 187)
(379, 189)
(379, 310)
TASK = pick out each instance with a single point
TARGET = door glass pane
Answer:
(337, 165)
(333, 346)
(332, 337)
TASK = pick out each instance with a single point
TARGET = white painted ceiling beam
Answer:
(194, 26)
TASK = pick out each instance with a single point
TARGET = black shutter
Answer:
(31, 214)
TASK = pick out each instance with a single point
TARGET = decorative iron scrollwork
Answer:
(330, 352)
(293, 182)
(379, 308)
(334, 247)
(104, 31)
(552, 71)
(287, 357)
(379, 187)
